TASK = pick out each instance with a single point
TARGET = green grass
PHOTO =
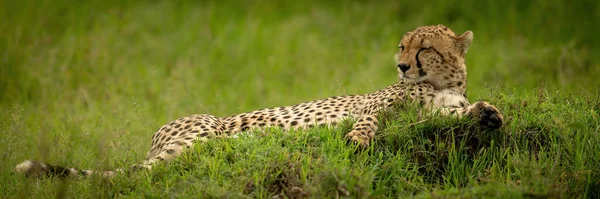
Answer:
(86, 83)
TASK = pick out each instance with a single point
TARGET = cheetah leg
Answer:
(487, 115)
(183, 134)
(171, 152)
(452, 104)
(363, 131)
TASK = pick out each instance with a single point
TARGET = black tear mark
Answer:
(417, 58)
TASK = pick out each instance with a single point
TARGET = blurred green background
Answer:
(93, 79)
(225, 57)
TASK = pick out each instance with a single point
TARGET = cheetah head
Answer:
(436, 55)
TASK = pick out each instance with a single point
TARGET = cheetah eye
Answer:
(401, 48)
(422, 48)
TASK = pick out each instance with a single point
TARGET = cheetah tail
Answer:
(33, 168)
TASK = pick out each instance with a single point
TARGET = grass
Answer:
(86, 84)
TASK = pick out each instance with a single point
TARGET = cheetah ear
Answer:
(464, 41)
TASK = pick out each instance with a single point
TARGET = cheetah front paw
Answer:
(489, 116)
(361, 136)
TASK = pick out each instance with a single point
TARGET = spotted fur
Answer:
(431, 72)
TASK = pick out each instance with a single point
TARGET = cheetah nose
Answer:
(403, 67)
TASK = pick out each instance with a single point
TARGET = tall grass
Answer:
(86, 83)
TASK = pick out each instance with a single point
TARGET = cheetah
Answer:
(431, 71)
